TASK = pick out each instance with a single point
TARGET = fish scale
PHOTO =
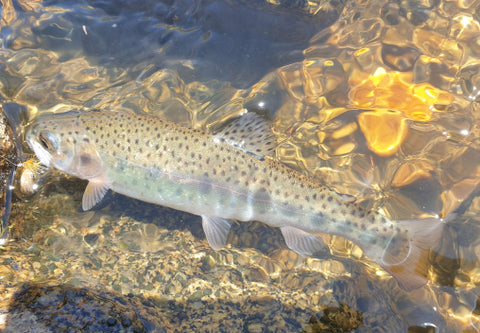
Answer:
(222, 179)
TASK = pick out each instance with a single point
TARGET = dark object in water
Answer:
(8, 163)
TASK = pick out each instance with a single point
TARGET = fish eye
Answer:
(48, 141)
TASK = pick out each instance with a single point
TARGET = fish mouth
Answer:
(43, 155)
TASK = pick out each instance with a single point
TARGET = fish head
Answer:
(60, 141)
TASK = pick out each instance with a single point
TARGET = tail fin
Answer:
(406, 256)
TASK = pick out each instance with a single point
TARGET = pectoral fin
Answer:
(93, 194)
(301, 241)
(216, 230)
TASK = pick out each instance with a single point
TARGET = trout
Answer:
(226, 176)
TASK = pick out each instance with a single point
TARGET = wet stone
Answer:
(91, 239)
(256, 274)
(65, 308)
(335, 319)
(7, 168)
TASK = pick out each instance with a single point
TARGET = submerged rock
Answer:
(8, 158)
(63, 308)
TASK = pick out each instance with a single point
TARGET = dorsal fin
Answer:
(249, 133)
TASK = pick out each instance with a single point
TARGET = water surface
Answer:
(378, 100)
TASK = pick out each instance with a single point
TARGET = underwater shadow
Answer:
(65, 308)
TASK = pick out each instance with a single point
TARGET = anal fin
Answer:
(216, 231)
(93, 194)
(300, 241)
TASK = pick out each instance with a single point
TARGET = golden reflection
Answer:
(384, 130)
(464, 27)
(395, 100)
(410, 172)
(8, 12)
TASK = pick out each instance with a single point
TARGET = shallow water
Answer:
(376, 99)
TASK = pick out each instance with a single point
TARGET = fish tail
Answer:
(406, 255)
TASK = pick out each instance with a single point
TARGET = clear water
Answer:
(377, 99)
